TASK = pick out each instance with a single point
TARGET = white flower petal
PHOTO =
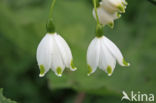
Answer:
(115, 52)
(44, 54)
(106, 62)
(111, 5)
(104, 16)
(107, 6)
(57, 64)
(65, 52)
(93, 55)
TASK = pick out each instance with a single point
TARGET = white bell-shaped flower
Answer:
(103, 53)
(54, 53)
(109, 10)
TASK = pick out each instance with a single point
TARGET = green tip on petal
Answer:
(90, 70)
(111, 25)
(121, 8)
(42, 71)
(125, 3)
(109, 70)
(125, 63)
(59, 71)
(118, 15)
(73, 68)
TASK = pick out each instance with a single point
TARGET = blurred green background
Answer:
(22, 26)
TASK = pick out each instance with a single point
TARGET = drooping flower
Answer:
(103, 53)
(109, 10)
(54, 53)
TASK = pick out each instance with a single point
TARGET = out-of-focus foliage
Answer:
(22, 26)
(3, 99)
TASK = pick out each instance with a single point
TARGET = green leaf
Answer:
(4, 99)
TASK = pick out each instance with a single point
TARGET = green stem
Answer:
(50, 26)
(95, 8)
(51, 8)
(99, 27)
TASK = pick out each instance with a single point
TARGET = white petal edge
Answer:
(65, 52)
(106, 62)
(115, 51)
(56, 60)
(43, 53)
(104, 16)
(93, 55)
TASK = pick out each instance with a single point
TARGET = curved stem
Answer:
(95, 8)
(99, 27)
(51, 9)
(50, 26)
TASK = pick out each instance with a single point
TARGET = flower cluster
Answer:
(109, 10)
(103, 53)
(54, 53)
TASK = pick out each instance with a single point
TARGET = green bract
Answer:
(50, 26)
